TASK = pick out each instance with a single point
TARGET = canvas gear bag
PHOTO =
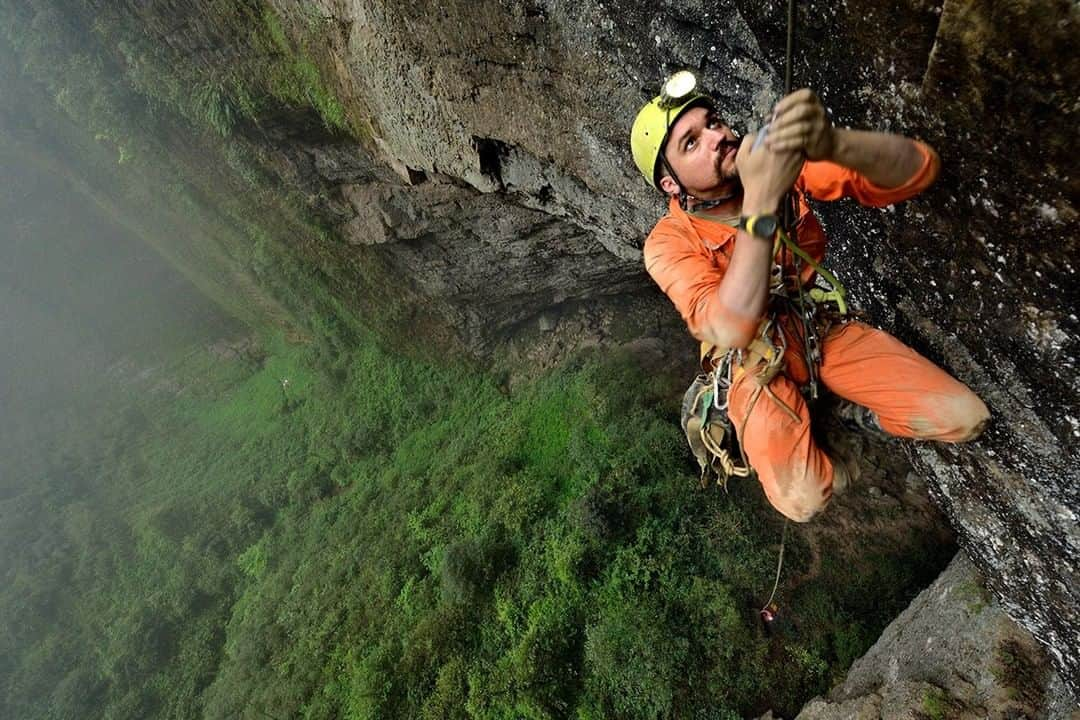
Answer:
(709, 430)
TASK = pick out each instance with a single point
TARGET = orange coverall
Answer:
(687, 255)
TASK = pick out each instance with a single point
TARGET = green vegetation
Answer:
(106, 71)
(974, 596)
(936, 704)
(293, 76)
(1019, 671)
(205, 202)
(379, 537)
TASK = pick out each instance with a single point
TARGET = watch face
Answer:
(765, 226)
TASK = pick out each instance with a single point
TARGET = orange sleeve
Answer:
(829, 181)
(691, 280)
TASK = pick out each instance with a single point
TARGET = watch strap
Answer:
(748, 222)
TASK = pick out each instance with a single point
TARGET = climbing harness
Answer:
(810, 314)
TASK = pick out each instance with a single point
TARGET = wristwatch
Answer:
(762, 226)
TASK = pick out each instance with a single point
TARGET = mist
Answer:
(91, 316)
(85, 306)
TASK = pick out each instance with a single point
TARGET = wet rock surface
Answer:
(977, 278)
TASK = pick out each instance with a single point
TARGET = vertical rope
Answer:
(790, 46)
(789, 224)
(779, 564)
(789, 210)
(790, 213)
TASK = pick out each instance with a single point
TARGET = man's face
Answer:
(701, 149)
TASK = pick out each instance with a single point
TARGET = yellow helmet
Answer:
(654, 121)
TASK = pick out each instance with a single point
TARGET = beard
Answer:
(728, 189)
(732, 174)
(730, 185)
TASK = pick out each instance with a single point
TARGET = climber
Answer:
(743, 293)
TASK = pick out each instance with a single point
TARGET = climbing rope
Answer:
(788, 236)
(768, 610)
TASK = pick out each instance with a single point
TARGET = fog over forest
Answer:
(84, 304)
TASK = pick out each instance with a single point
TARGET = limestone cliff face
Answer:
(487, 178)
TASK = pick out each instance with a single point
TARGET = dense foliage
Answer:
(384, 538)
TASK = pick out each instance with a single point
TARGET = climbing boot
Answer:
(860, 419)
(846, 471)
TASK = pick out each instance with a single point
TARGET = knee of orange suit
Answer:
(802, 502)
(966, 418)
(974, 417)
(954, 417)
(802, 515)
(799, 512)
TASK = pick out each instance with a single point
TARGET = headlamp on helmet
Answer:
(678, 88)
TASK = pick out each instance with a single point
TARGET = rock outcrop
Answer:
(953, 653)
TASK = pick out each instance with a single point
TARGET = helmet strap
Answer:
(683, 195)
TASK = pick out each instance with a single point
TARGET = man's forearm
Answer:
(743, 293)
(885, 159)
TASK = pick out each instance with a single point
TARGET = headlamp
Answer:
(677, 88)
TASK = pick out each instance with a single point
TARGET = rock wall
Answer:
(523, 115)
(981, 277)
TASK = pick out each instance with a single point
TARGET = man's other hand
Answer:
(800, 124)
